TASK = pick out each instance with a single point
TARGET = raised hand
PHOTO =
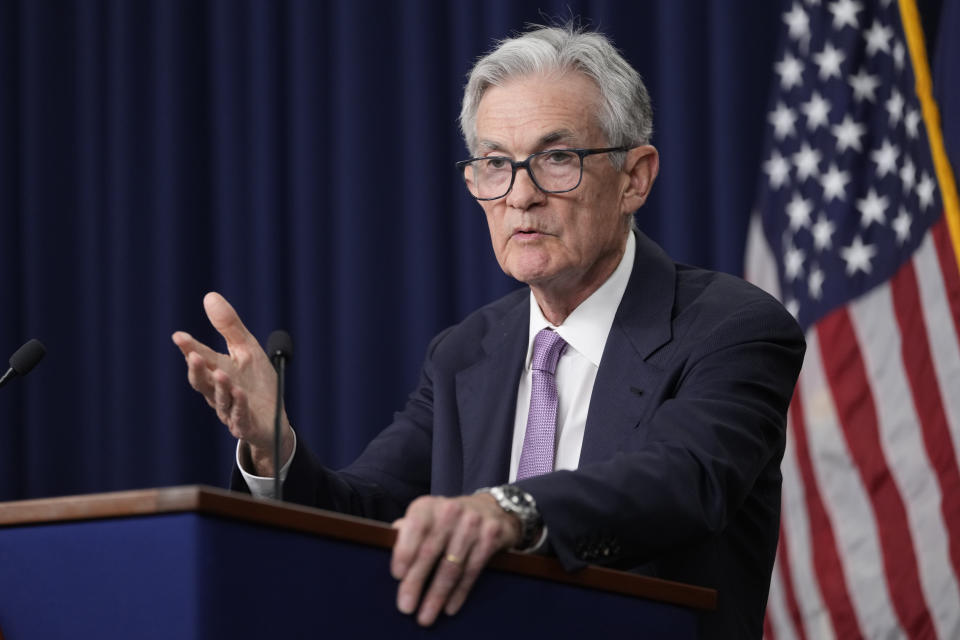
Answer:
(240, 385)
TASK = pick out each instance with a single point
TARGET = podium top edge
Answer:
(211, 501)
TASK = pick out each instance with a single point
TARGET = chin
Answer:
(530, 275)
(529, 263)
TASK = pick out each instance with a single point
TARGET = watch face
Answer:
(517, 502)
(514, 495)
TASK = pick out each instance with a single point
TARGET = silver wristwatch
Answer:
(518, 502)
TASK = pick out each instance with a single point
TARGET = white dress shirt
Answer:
(261, 486)
(585, 331)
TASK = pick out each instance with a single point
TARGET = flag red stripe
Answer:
(918, 362)
(856, 410)
(948, 267)
(826, 559)
(767, 627)
(783, 561)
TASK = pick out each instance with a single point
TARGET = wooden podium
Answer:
(203, 563)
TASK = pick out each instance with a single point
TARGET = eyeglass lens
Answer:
(555, 170)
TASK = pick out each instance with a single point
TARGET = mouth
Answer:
(527, 232)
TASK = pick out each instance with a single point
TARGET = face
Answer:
(566, 243)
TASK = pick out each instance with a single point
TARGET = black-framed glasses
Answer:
(552, 171)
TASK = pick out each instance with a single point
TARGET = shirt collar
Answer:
(585, 330)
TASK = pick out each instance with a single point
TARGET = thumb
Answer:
(225, 320)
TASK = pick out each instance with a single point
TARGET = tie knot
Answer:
(547, 347)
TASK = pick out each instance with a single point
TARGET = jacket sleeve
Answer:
(392, 470)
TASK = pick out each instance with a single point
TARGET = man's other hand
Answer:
(240, 385)
(456, 536)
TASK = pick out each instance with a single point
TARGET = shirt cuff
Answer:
(260, 486)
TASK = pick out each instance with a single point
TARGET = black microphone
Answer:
(280, 345)
(24, 359)
(280, 352)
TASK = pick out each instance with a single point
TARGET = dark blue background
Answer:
(297, 157)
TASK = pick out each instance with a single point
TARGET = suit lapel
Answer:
(622, 392)
(486, 400)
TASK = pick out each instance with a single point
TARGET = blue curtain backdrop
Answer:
(297, 157)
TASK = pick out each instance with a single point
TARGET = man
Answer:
(625, 410)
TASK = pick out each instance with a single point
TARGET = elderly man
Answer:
(623, 410)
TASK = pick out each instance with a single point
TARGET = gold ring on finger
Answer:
(454, 559)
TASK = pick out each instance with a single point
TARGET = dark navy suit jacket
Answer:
(679, 473)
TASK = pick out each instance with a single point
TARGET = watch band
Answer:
(521, 504)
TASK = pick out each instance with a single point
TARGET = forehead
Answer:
(534, 110)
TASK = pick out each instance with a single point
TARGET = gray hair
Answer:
(626, 116)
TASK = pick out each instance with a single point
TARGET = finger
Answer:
(488, 542)
(444, 517)
(200, 376)
(451, 569)
(188, 344)
(239, 421)
(411, 530)
(223, 396)
(226, 321)
(239, 409)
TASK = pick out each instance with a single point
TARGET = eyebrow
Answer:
(561, 135)
(553, 137)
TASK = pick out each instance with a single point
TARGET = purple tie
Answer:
(537, 455)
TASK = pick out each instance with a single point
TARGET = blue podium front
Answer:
(201, 563)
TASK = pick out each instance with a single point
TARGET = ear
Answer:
(640, 169)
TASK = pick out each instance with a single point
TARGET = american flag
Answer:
(852, 234)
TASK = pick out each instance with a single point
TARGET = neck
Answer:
(557, 300)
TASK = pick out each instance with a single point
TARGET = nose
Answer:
(524, 193)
